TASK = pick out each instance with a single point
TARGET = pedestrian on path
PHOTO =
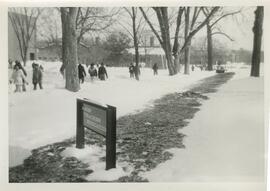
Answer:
(102, 72)
(155, 69)
(92, 72)
(82, 73)
(131, 69)
(18, 63)
(18, 78)
(37, 75)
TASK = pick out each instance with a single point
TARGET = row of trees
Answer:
(173, 27)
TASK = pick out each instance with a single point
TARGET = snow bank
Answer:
(44, 116)
(41, 117)
(222, 146)
(91, 155)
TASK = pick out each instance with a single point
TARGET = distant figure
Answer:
(155, 69)
(37, 75)
(201, 67)
(131, 69)
(192, 67)
(10, 63)
(17, 63)
(102, 72)
(18, 78)
(82, 73)
(92, 72)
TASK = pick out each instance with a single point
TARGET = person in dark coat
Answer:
(18, 63)
(92, 72)
(37, 75)
(155, 69)
(192, 67)
(82, 73)
(131, 69)
(102, 72)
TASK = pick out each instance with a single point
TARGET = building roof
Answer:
(147, 51)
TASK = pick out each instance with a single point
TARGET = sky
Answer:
(238, 27)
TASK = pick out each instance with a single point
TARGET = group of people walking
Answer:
(132, 69)
(19, 74)
(99, 72)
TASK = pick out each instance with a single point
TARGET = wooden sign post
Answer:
(102, 120)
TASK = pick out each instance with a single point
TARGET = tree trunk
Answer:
(69, 48)
(162, 15)
(187, 49)
(257, 30)
(136, 46)
(209, 47)
(24, 52)
(25, 56)
(177, 62)
(168, 53)
(173, 65)
(170, 62)
(187, 58)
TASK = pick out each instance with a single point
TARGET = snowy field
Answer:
(41, 117)
(225, 140)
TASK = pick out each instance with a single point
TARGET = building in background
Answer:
(87, 52)
(13, 43)
(150, 51)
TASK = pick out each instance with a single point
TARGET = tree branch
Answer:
(228, 14)
(151, 25)
(224, 34)
(191, 34)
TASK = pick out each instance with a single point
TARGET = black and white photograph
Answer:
(136, 94)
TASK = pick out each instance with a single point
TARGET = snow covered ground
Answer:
(225, 140)
(41, 117)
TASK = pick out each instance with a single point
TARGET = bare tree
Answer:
(94, 19)
(212, 30)
(24, 24)
(69, 48)
(172, 54)
(257, 41)
(91, 19)
(189, 26)
(135, 33)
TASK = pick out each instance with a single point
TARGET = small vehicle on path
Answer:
(220, 69)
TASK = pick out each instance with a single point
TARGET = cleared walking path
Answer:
(225, 139)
